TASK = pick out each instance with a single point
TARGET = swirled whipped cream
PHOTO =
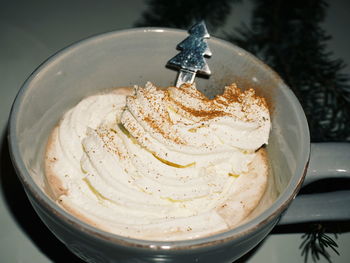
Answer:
(161, 164)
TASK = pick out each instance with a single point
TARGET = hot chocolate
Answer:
(161, 164)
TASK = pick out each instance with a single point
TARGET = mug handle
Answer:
(327, 160)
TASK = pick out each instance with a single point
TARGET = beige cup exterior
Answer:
(125, 58)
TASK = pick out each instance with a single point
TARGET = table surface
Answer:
(31, 31)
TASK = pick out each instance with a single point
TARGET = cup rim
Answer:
(263, 218)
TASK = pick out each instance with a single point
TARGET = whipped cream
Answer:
(161, 164)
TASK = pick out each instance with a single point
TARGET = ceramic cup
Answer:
(125, 58)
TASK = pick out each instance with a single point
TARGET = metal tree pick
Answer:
(191, 59)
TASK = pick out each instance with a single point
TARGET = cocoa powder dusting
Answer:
(158, 127)
(217, 107)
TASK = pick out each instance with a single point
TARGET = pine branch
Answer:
(185, 13)
(288, 37)
(315, 243)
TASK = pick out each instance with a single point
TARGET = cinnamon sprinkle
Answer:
(157, 127)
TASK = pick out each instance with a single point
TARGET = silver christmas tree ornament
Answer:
(191, 59)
